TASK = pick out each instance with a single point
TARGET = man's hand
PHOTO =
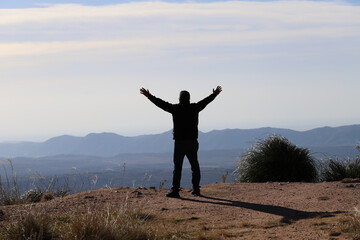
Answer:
(217, 90)
(145, 92)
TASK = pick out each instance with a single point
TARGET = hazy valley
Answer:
(146, 160)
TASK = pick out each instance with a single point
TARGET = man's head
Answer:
(184, 97)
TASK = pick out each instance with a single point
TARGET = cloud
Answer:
(41, 48)
(166, 26)
(285, 11)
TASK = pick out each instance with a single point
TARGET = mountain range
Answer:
(329, 140)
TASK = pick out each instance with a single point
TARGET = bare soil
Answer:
(225, 210)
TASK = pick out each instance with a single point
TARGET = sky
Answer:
(76, 67)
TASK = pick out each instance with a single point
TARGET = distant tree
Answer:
(276, 159)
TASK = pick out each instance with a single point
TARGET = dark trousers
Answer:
(188, 148)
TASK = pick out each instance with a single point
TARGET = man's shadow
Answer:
(288, 215)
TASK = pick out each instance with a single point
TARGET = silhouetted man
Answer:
(185, 133)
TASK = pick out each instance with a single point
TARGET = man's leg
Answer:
(179, 155)
(195, 167)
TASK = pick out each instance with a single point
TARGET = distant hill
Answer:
(329, 139)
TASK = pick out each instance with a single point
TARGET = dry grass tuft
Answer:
(110, 225)
(248, 225)
(31, 226)
(47, 197)
(273, 224)
(9, 188)
(351, 224)
(209, 236)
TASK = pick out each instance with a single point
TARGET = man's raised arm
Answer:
(203, 103)
(157, 101)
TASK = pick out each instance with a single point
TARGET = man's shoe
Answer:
(173, 194)
(196, 192)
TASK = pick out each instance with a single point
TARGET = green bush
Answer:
(337, 170)
(276, 159)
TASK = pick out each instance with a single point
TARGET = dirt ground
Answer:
(228, 210)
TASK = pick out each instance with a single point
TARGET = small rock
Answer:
(137, 193)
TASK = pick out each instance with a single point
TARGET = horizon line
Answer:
(163, 132)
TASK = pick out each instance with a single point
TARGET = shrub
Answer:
(351, 224)
(32, 196)
(356, 224)
(276, 159)
(97, 225)
(43, 189)
(111, 225)
(31, 226)
(337, 170)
